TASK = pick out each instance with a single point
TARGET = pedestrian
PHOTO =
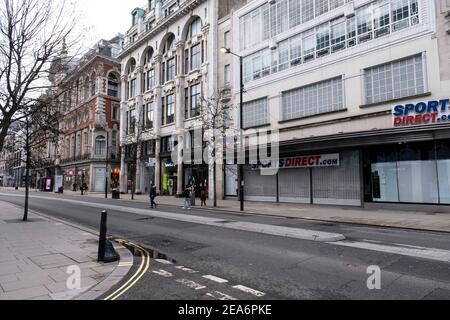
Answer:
(203, 196)
(153, 195)
(74, 187)
(187, 198)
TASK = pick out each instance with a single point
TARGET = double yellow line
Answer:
(143, 267)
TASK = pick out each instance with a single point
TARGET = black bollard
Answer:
(102, 239)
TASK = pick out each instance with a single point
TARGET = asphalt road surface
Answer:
(194, 259)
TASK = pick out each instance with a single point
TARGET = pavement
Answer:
(39, 258)
(406, 219)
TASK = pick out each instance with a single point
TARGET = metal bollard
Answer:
(102, 239)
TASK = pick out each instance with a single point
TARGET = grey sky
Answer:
(106, 17)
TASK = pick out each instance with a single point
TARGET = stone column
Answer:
(157, 122)
(123, 173)
(139, 139)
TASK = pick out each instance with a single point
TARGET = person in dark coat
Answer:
(153, 195)
(203, 196)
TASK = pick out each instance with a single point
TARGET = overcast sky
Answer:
(106, 17)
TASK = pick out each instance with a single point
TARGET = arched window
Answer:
(132, 66)
(148, 56)
(113, 85)
(170, 43)
(196, 27)
(100, 146)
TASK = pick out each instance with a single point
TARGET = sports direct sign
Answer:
(324, 160)
(435, 111)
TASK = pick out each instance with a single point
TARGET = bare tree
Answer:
(32, 35)
(215, 120)
(33, 131)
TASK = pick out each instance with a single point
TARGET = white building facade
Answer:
(167, 67)
(358, 91)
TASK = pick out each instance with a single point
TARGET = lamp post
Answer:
(106, 168)
(241, 126)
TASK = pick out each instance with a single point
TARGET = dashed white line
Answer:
(183, 268)
(215, 279)
(250, 291)
(163, 273)
(191, 284)
(220, 296)
(163, 261)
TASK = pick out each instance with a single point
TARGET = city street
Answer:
(201, 254)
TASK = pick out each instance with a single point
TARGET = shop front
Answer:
(315, 178)
(169, 177)
(197, 176)
(149, 174)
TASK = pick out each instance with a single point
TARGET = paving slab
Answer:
(35, 256)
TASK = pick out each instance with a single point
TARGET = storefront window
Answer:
(411, 173)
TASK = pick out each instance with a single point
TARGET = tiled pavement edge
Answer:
(35, 255)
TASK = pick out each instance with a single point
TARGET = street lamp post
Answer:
(106, 168)
(241, 127)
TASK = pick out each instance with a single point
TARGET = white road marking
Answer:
(250, 291)
(183, 268)
(220, 296)
(191, 284)
(125, 264)
(163, 261)
(215, 279)
(400, 249)
(163, 273)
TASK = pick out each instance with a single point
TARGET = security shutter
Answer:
(259, 187)
(338, 185)
(294, 185)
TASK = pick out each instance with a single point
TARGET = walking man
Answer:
(153, 195)
(187, 198)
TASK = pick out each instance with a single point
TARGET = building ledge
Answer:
(421, 95)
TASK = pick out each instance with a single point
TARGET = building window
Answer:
(151, 80)
(170, 109)
(149, 114)
(196, 57)
(196, 27)
(323, 97)
(227, 75)
(131, 121)
(395, 80)
(114, 144)
(370, 22)
(93, 80)
(86, 88)
(256, 113)
(115, 113)
(113, 86)
(272, 19)
(195, 101)
(170, 69)
(167, 144)
(100, 146)
(132, 91)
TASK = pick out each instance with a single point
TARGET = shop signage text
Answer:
(325, 160)
(434, 111)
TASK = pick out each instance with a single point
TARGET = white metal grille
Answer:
(395, 80)
(322, 97)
